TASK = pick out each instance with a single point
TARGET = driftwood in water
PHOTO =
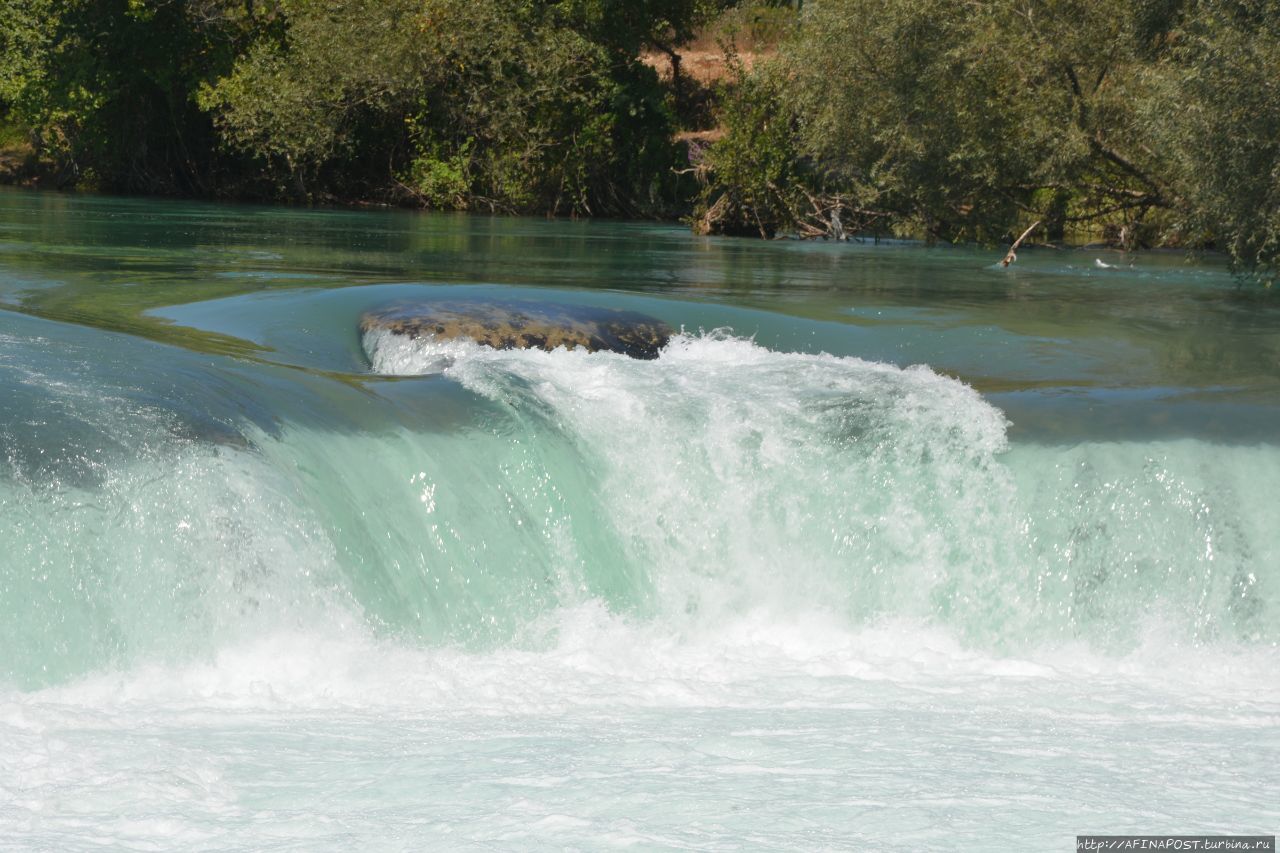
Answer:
(1013, 250)
(801, 213)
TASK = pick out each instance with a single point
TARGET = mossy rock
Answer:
(525, 325)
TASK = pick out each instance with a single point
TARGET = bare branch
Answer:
(1012, 255)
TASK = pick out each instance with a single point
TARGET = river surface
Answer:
(891, 548)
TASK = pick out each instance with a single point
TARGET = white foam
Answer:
(622, 730)
(592, 658)
(736, 475)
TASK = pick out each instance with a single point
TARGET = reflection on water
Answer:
(1154, 319)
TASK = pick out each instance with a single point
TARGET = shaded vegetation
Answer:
(515, 106)
(1149, 122)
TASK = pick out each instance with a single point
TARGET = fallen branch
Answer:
(1012, 255)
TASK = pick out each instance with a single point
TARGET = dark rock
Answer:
(525, 325)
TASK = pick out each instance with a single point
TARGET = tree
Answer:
(107, 86)
(517, 107)
(957, 120)
(1217, 119)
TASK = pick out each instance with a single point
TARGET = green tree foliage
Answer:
(1152, 121)
(761, 180)
(107, 85)
(24, 43)
(1155, 120)
(471, 102)
(525, 105)
(959, 116)
(1217, 121)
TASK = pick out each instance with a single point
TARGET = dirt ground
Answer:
(706, 65)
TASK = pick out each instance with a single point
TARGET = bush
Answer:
(473, 102)
(529, 105)
(1150, 121)
(1218, 121)
(958, 120)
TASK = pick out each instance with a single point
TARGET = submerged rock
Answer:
(525, 325)
(208, 430)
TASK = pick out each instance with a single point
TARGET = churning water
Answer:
(889, 548)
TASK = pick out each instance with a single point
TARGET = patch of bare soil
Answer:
(705, 65)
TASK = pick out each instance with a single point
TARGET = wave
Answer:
(739, 477)
(719, 496)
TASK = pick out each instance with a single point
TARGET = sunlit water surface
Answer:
(891, 548)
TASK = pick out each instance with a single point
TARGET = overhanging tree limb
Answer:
(1012, 254)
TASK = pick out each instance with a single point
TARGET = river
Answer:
(891, 547)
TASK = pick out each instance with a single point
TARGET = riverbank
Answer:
(19, 164)
(895, 118)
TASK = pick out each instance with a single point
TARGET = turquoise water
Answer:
(889, 543)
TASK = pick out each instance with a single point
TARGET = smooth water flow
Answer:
(888, 543)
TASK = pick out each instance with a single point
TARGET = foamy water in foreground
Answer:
(774, 735)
